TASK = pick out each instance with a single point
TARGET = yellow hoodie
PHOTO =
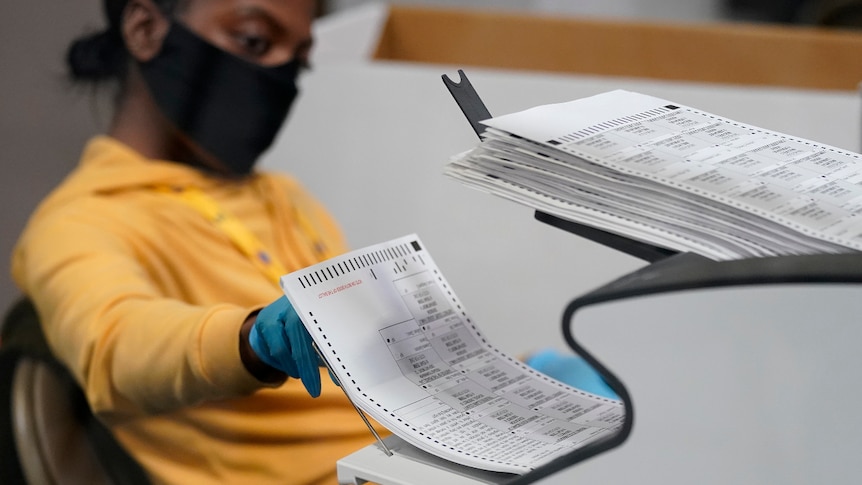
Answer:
(142, 298)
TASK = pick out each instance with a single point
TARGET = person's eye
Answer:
(252, 45)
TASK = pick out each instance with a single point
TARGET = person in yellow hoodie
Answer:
(153, 266)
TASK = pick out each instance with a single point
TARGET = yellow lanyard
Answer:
(243, 238)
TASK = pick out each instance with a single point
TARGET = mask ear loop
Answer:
(359, 411)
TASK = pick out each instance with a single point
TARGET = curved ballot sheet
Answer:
(408, 354)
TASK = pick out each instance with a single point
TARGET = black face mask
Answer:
(229, 107)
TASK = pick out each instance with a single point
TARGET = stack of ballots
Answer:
(671, 176)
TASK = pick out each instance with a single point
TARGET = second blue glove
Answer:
(572, 370)
(281, 341)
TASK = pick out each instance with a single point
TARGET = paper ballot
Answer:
(408, 354)
(655, 171)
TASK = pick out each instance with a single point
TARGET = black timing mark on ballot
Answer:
(315, 277)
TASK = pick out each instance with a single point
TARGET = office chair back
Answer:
(50, 434)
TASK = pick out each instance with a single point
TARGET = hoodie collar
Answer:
(110, 166)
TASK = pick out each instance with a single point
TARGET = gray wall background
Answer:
(44, 121)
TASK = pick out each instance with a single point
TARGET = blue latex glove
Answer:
(279, 339)
(572, 370)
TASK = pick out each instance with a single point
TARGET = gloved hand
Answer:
(281, 341)
(572, 370)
